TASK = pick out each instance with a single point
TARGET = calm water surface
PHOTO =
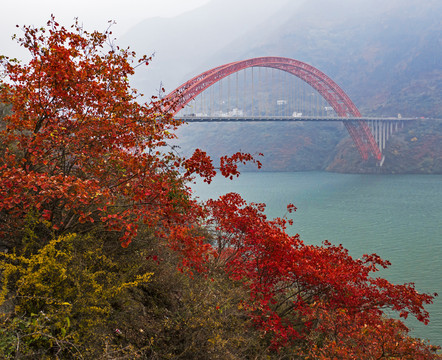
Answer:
(399, 217)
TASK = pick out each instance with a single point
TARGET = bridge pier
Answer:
(382, 130)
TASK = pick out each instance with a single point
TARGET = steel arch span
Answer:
(326, 87)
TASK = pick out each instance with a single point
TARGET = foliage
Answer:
(198, 317)
(63, 296)
(84, 166)
(81, 297)
(308, 295)
(80, 149)
(355, 339)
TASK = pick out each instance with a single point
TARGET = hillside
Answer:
(415, 149)
(385, 55)
(286, 146)
(182, 45)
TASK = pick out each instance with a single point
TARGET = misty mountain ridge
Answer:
(183, 43)
(385, 55)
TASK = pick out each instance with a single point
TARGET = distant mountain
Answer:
(182, 45)
(386, 55)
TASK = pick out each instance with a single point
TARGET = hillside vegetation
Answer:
(414, 149)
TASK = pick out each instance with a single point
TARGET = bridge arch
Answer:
(326, 87)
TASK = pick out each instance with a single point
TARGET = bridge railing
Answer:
(268, 118)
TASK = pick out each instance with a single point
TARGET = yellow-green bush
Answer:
(63, 296)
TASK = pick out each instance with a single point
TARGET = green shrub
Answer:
(63, 297)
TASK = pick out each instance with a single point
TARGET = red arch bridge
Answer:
(278, 89)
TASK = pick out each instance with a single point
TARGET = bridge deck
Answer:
(191, 119)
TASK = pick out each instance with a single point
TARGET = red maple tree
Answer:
(316, 298)
(80, 150)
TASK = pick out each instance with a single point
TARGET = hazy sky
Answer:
(92, 13)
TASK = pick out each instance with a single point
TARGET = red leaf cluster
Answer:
(79, 147)
(300, 292)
